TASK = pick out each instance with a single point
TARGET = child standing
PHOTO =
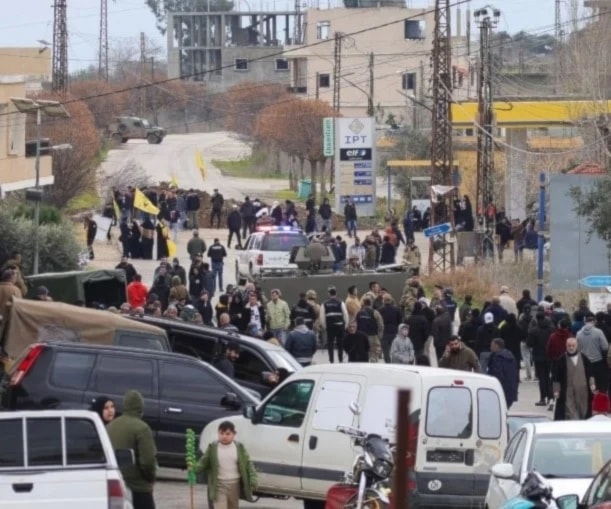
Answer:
(229, 469)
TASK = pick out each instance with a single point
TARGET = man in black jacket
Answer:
(193, 205)
(391, 316)
(485, 334)
(247, 210)
(217, 208)
(325, 214)
(538, 337)
(441, 330)
(418, 329)
(234, 223)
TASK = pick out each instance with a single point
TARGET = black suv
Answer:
(179, 392)
(257, 357)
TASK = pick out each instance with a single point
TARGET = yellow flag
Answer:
(173, 181)
(141, 202)
(115, 206)
(199, 161)
(171, 247)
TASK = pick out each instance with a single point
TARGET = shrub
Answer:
(48, 213)
(58, 249)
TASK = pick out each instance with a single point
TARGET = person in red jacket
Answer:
(556, 344)
(137, 292)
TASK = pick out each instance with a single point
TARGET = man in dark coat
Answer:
(573, 384)
(217, 208)
(468, 329)
(502, 365)
(538, 337)
(418, 328)
(91, 228)
(513, 335)
(234, 224)
(356, 344)
(483, 339)
(147, 241)
(391, 316)
(130, 270)
(441, 330)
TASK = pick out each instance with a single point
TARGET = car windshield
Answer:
(146, 123)
(282, 359)
(284, 242)
(515, 422)
(571, 457)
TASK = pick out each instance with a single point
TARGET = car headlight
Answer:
(382, 468)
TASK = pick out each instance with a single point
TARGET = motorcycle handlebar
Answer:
(350, 431)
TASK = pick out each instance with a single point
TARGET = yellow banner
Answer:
(173, 181)
(199, 161)
(141, 202)
(171, 247)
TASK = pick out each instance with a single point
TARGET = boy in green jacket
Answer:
(229, 469)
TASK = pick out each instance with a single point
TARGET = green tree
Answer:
(594, 206)
(160, 8)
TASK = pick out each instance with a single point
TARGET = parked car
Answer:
(179, 392)
(60, 459)
(293, 440)
(567, 454)
(257, 358)
(515, 420)
(598, 495)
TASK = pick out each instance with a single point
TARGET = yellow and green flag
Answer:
(141, 202)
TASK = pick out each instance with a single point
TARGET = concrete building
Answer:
(226, 48)
(22, 72)
(16, 170)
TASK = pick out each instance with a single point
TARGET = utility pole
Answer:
(441, 252)
(103, 42)
(142, 71)
(558, 36)
(337, 70)
(370, 107)
(59, 81)
(487, 18)
(154, 92)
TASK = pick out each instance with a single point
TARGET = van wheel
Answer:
(313, 504)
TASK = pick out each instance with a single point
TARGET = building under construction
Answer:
(225, 48)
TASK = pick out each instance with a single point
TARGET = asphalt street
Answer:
(176, 156)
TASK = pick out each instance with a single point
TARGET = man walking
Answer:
(503, 366)
(217, 255)
(193, 205)
(234, 224)
(334, 319)
(196, 246)
(538, 338)
(459, 356)
(369, 322)
(129, 431)
(278, 316)
(301, 343)
(217, 208)
(391, 316)
(594, 345)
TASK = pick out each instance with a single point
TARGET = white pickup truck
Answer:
(59, 459)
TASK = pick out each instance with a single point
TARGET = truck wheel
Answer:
(313, 504)
(124, 140)
(152, 139)
(159, 140)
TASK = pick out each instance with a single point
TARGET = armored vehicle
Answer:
(123, 129)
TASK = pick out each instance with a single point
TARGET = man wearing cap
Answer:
(483, 339)
(195, 246)
(234, 224)
(507, 302)
(334, 319)
(594, 345)
(217, 207)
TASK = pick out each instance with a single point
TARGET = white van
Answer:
(458, 427)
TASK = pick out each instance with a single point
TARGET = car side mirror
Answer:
(568, 502)
(231, 401)
(503, 471)
(125, 457)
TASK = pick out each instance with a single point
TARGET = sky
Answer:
(25, 21)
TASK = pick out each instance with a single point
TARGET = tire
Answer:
(313, 504)
(368, 503)
(159, 140)
(124, 140)
(152, 139)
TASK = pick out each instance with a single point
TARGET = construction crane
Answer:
(441, 250)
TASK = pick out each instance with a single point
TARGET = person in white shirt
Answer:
(356, 252)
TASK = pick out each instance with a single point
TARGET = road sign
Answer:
(595, 281)
(328, 147)
(438, 229)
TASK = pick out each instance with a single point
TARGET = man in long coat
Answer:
(573, 384)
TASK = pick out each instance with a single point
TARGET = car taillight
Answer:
(260, 259)
(26, 364)
(116, 494)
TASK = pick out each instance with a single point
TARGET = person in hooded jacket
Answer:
(162, 290)
(129, 431)
(104, 407)
(503, 366)
(468, 329)
(402, 348)
(441, 330)
(538, 336)
(513, 336)
(418, 328)
(594, 345)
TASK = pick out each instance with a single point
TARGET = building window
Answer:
(414, 29)
(241, 64)
(323, 28)
(282, 64)
(408, 81)
(324, 81)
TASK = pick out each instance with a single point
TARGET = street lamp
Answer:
(52, 109)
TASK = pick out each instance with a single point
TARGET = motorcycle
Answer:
(367, 485)
(535, 493)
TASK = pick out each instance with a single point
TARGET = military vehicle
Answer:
(123, 129)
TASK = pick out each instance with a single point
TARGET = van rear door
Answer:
(52, 462)
(462, 434)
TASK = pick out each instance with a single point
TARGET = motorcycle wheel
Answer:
(370, 501)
